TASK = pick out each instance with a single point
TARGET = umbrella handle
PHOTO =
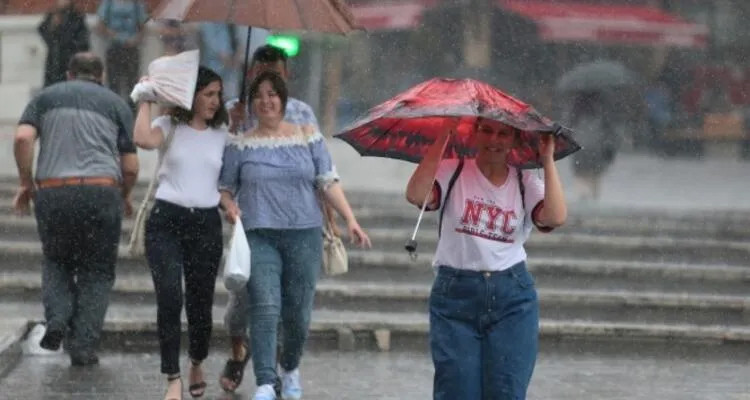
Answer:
(245, 66)
(411, 244)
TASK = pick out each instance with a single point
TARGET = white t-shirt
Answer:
(483, 224)
(189, 174)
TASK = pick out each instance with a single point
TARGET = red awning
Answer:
(639, 25)
(380, 16)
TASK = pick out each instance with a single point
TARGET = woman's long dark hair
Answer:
(206, 76)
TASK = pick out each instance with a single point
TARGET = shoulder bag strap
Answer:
(160, 160)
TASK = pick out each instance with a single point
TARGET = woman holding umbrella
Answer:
(484, 314)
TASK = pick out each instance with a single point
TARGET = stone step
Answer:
(561, 304)
(376, 210)
(129, 326)
(563, 273)
(16, 230)
(574, 245)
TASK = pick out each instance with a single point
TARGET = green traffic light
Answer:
(289, 44)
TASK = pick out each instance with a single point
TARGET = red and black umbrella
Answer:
(405, 126)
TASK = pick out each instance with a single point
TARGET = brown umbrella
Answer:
(329, 16)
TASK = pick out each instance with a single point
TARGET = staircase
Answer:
(679, 277)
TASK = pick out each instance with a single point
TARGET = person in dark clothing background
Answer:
(85, 173)
(65, 33)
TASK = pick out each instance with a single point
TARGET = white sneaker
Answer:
(31, 344)
(265, 392)
(290, 386)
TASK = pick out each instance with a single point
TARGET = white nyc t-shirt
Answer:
(483, 224)
(189, 175)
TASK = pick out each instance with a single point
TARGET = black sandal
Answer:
(234, 371)
(198, 389)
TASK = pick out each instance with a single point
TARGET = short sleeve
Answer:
(229, 177)
(142, 13)
(445, 172)
(534, 197)
(125, 129)
(102, 11)
(32, 114)
(307, 116)
(164, 123)
(325, 171)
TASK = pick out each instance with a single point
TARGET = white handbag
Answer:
(237, 261)
(137, 242)
(335, 259)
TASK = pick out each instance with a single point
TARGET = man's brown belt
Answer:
(77, 181)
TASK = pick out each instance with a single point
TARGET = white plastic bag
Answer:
(171, 80)
(237, 261)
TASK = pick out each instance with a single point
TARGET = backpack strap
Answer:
(448, 191)
(522, 189)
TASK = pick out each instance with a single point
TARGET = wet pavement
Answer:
(397, 375)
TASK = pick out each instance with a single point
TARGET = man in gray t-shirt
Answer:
(86, 170)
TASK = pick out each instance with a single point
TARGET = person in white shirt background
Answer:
(484, 312)
(183, 232)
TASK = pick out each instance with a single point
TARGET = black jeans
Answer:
(185, 241)
(79, 227)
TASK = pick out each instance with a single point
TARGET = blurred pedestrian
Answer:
(218, 46)
(484, 312)
(173, 37)
(183, 231)
(65, 33)
(86, 169)
(121, 24)
(659, 114)
(599, 135)
(264, 169)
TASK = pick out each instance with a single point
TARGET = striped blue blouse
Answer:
(274, 180)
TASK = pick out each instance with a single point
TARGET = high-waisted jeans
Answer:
(483, 333)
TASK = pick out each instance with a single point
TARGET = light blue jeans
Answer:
(285, 265)
(484, 330)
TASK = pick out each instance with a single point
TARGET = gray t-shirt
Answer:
(83, 127)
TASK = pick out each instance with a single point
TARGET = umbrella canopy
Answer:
(405, 126)
(329, 16)
(594, 76)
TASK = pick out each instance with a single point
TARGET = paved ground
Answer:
(397, 376)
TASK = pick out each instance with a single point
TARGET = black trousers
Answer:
(123, 65)
(79, 227)
(183, 242)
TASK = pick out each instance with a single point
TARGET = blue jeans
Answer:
(285, 264)
(483, 333)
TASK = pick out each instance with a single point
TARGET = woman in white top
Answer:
(183, 231)
(484, 314)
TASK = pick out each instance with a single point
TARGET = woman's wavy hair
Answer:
(277, 83)
(206, 76)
